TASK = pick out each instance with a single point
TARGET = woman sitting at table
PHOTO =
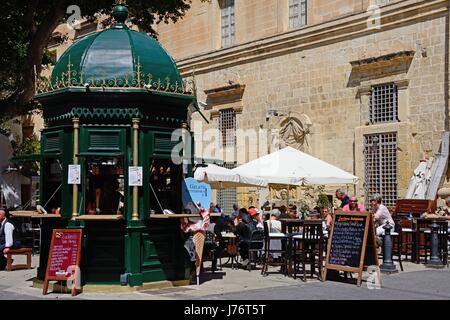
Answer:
(275, 227)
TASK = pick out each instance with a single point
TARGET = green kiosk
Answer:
(111, 106)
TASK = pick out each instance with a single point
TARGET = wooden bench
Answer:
(21, 251)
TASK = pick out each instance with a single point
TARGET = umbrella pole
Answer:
(287, 204)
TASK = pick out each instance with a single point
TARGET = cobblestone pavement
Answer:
(416, 282)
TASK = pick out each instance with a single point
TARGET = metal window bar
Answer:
(383, 105)
(227, 128)
(297, 13)
(228, 22)
(380, 167)
(227, 197)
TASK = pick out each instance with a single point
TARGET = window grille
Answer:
(380, 167)
(228, 28)
(227, 197)
(227, 128)
(383, 105)
(297, 13)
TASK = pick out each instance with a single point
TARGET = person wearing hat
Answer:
(255, 214)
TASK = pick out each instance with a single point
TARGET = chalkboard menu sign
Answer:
(351, 246)
(64, 258)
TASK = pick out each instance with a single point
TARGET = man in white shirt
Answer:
(382, 214)
(6, 236)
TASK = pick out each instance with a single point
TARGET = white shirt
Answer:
(274, 226)
(9, 228)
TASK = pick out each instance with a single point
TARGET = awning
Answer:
(34, 157)
(99, 154)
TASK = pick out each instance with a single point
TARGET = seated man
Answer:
(244, 226)
(327, 217)
(353, 205)
(7, 241)
(381, 215)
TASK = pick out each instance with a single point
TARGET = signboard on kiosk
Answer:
(64, 258)
(195, 192)
(352, 245)
(74, 174)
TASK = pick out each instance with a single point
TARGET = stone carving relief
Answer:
(281, 194)
(294, 130)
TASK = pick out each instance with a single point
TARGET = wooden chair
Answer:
(407, 238)
(307, 246)
(22, 251)
(268, 251)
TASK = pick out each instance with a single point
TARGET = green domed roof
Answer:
(115, 56)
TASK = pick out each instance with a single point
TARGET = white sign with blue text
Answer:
(195, 192)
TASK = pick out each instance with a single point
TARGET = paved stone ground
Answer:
(416, 282)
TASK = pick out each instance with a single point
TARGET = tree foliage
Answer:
(27, 27)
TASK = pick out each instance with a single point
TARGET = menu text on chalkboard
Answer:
(352, 243)
(64, 256)
(348, 236)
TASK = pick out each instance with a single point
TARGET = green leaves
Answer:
(27, 27)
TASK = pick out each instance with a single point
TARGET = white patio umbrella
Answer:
(289, 166)
(223, 178)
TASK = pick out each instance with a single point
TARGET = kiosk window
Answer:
(165, 186)
(52, 191)
(104, 186)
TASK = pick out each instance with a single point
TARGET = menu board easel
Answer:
(65, 254)
(352, 245)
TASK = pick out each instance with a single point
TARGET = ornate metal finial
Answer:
(120, 12)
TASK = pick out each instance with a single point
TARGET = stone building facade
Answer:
(361, 84)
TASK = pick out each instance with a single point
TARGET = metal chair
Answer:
(255, 246)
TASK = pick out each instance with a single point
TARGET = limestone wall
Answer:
(329, 80)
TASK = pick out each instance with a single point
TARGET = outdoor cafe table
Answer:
(292, 227)
(232, 249)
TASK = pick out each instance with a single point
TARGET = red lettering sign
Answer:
(64, 256)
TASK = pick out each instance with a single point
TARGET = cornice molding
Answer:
(392, 16)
